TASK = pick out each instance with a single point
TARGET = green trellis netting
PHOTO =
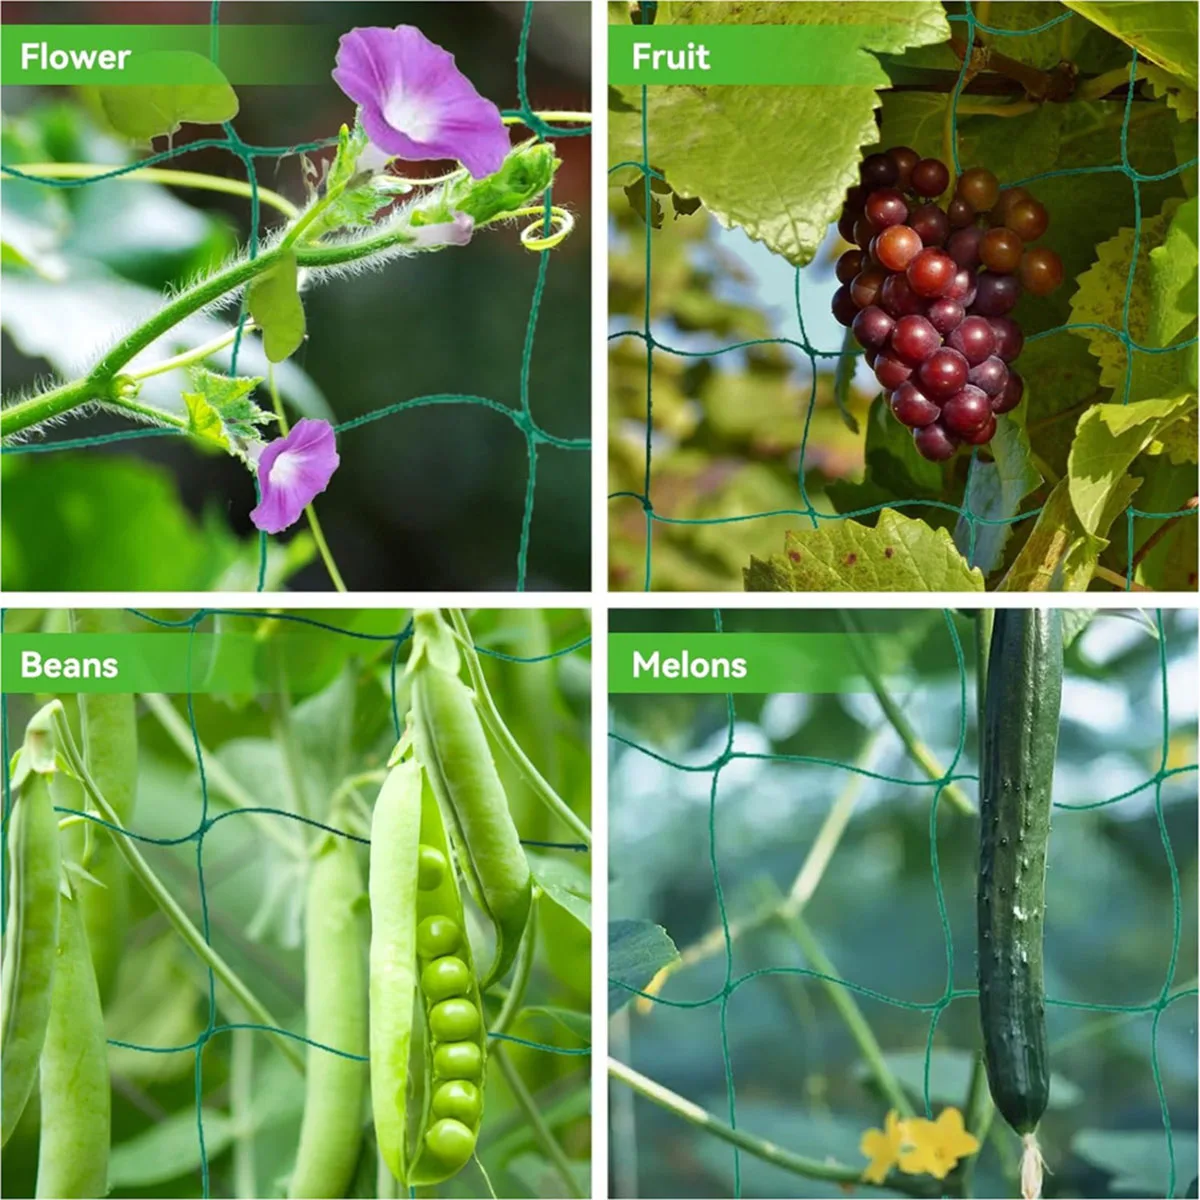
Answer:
(215, 1028)
(807, 511)
(523, 418)
(1169, 993)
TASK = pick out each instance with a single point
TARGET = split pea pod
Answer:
(420, 952)
(74, 1080)
(335, 1004)
(30, 940)
(452, 747)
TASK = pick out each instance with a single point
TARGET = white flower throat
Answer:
(411, 115)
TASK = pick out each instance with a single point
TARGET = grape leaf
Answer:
(1180, 98)
(274, 302)
(774, 161)
(1180, 441)
(1164, 32)
(1173, 277)
(146, 111)
(994, 492)
(898, 555)
(1109, 437)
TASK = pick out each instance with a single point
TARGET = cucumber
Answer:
(1020, 737)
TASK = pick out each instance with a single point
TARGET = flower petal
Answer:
(415, 102)
(291, 471)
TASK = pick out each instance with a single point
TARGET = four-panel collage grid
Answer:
(599, 599)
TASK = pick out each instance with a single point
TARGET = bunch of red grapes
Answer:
(928, 291)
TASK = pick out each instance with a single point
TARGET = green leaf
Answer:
(204, 422)
(143, 112)
(1107, 440)
(637, 951)
(1137, 1158)
(354, 197)
(774, 161)
(221, 405)
(1173, 277)
(578, 1024)
(1164, 32)
(565, 883)
(274, 302)
(169, 1148)
(995, 491)
(1181, 99)
(898, 555)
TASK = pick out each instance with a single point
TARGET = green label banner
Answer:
(154, 55)
(175, 663)
(711, 55)
(756, 663)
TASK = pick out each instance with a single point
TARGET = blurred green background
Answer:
(800, 1079)
(288, 752)
(427, 499)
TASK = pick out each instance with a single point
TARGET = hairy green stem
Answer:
(798, 1164)
(162, 896)
(198, 354)
(500, 731)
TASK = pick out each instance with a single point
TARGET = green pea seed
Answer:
(451, 1141)
(458, 1060)
(437, 936)
(445, 977)
(458, 1098)
(453, 1020)
(431, 868)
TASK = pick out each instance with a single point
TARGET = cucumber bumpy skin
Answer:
(1020, 737)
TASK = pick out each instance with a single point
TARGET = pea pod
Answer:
(335, 1004)
(452, 747)
(74, 1081)
(30, 940)
(419, 948)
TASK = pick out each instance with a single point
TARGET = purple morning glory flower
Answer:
(291, 471)
(415, 102)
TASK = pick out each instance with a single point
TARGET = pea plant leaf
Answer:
(1173, 277)
(564, 883)
(637, 951)
(1107, 440)
(899, 554)
(274, 302)
(1164, 32)
(994, 494)
(146, 111)
(774, 161)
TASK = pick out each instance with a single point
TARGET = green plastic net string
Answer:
(216, 1027)
(807, 511)
(933, 1008)
(535, 436)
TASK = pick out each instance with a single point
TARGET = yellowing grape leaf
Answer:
(899, 554)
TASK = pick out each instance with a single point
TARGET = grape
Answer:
(942, 374)
(914, 339)
(983, 434)
(870, 357)
(891, 372)
(989, 376)
(896, 247)
(962, 287)
(931, 223)
(877, 170)
(963, 246)
(1027, 219)
(979, 188)
(1009, 338)
(864, 231)
(931, 273)
(1041, 271)
(912, 407)
(856, 197)
(945, 315)
(930, 177)
(872, 327)
(1008, 197)
(935, 443)
(1000, 250)
(846, 223)
(1008, 399)
(904, 159)
(886, 207)
(844, 308)
(994, 294)
(960, 213)
(849, 265)
(864, 288)
(898, 299)
(966, 411)
(974, 339)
